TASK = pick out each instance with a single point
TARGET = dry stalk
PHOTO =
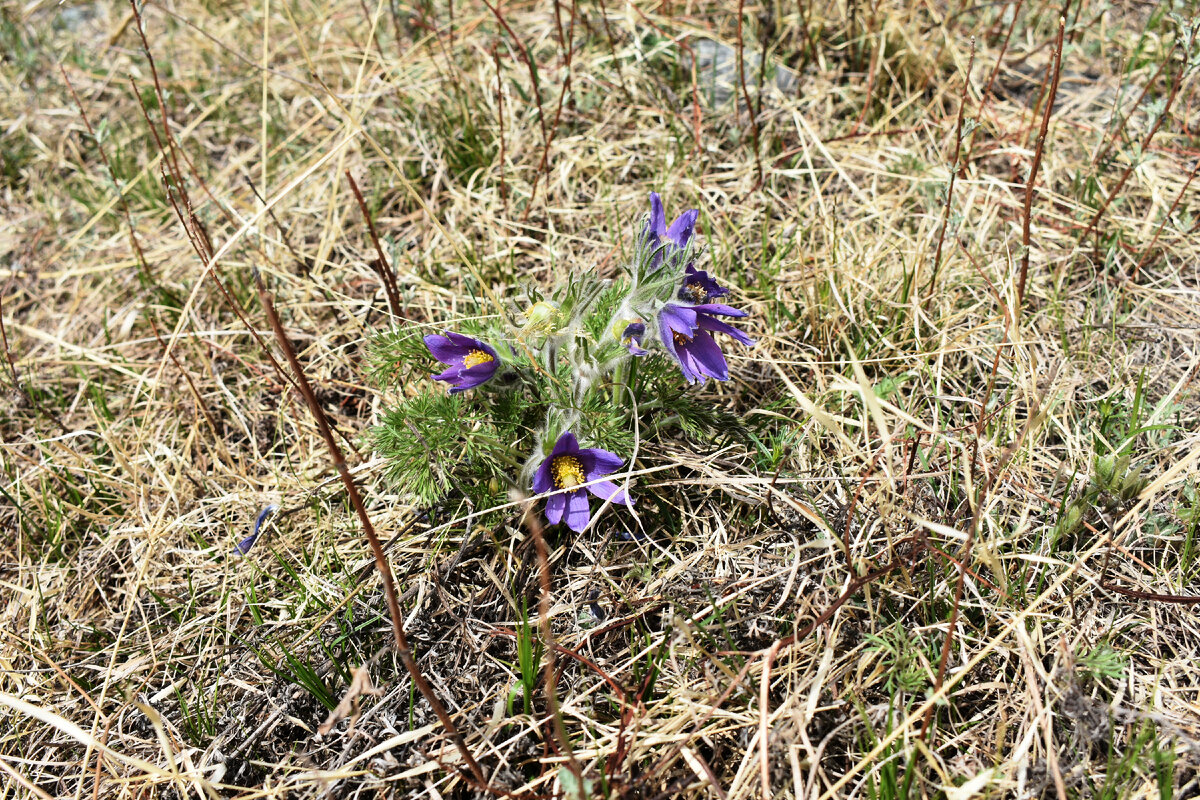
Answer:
(1170, 212)
(531, 522)
(381, 561)
(972, 531)
(500, 121)
(1112, 195)
(954, 168)
(1054, 70)
(741, 67)
(387, 275)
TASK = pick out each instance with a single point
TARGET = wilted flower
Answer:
(685, 332)
(471, 361)
(630, 335)
(699, 287)
(244, 545)
(568, 466)
(679, 233)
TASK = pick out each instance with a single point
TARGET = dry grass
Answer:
(898, 428)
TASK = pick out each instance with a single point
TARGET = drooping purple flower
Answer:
(631, 338)
(244, 545)
(699, 287)
(679, 233)
(686, 332)
(569, 466)
(471, 361)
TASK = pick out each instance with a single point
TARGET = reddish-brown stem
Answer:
(1112, 195)
(551, 672)
(962, 105)
(741, 65)
(381, 562)
(500, 120)
(523, 53)
(612, 50)
(969, 544)
(987, 90)
(1054, 70)
(386, 276)
(1112, 138)
(1174, 205)
(133, 239)
(566, 90)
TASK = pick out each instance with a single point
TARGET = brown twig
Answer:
(500, 120)
(543, 164)
(381, 562)
(962, 105)
(987, 90)
(612, 49)
(143, 265)
(741, 65)
(1112, 195)
(386, 275)
(523, 53)
(534, 525)
(1157, 233)
(1119, 130)
(1054, 70)
(976, 516)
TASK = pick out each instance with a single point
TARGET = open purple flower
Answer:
(699, 287)
(471, 361)
(568, 466)
(679, 233)
(686, 332)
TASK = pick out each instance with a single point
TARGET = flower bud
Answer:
(542, 317)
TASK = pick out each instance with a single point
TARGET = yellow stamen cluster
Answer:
(567, 472)
(477, 357)
(696, 293)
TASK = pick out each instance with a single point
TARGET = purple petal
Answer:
(244, 545)
(597, 462)
(607, 490)
(708, 358)
(682, 228)
(713, 324)
(702, 279)
(658, 219)
(473, 376)
(566, 445)
(451, 376)
(541, 478)
(445, 349)
(468, 342)
(578, 514)
(717, 308)
(678, 318)
(555, 504)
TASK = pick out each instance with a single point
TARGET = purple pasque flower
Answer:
(631, 338)
(699, 287)
(686, 332)
(569, 466)
(471, 361)
(679, 233)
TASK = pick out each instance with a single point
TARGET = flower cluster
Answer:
(668, 306)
